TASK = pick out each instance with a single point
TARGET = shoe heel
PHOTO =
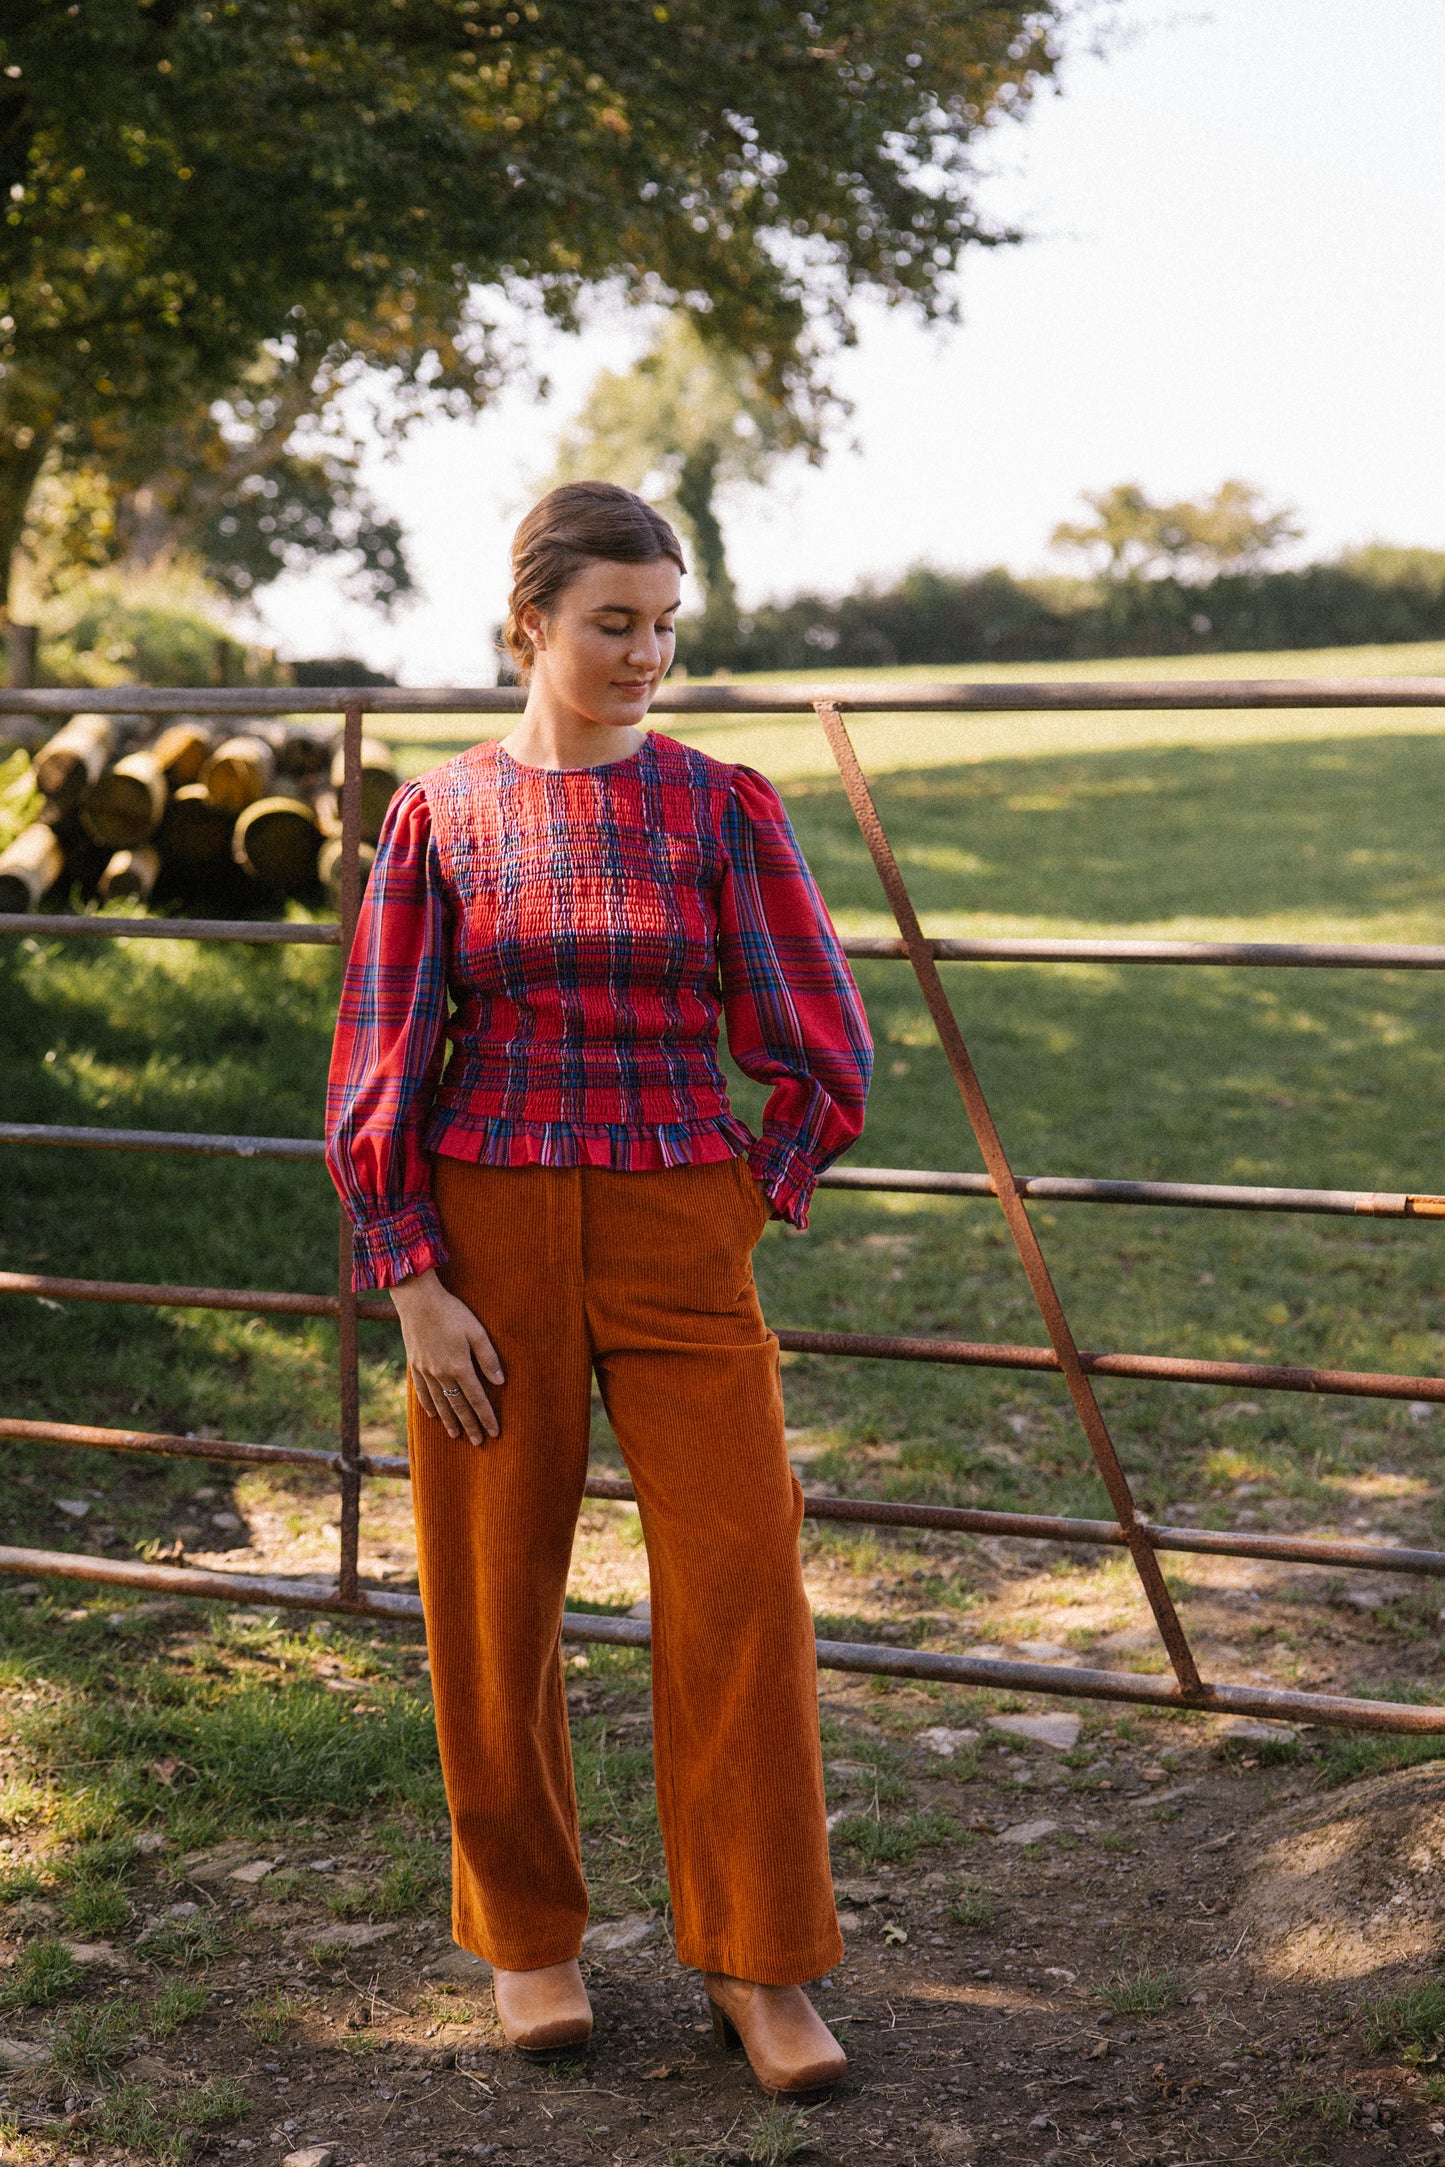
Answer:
(724, 2031)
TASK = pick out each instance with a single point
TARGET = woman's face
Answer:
(606, 643)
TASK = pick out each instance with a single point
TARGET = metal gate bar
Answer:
(861, 947)
(1168, 695)
(906, 1180)
(864, 1346)
(867, 1511)
(1140, 1537)
(1020, 1226)
(348, 1340)
(262, 1591)
(258, 932)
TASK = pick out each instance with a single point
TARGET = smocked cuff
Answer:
(396, 1246)
(786, 1176)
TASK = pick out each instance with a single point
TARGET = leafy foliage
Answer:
(242, 491)
(159, 628)
(189, 184)
(1232, 531)
(942, 618)
(689, 421)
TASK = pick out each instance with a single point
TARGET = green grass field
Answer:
(1304, 1077)
(789, 747)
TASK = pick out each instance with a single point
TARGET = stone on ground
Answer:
(611, 1936)
(351, 1937)
(945, 1742)
(458, 1964)
(1026, 1832)
(1059, 1731)
(22, 2054)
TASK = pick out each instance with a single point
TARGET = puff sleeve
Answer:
(387, 1055)
(794, 1016)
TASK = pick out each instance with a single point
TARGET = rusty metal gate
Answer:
(1143, 1539)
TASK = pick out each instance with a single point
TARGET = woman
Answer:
(572, 1195)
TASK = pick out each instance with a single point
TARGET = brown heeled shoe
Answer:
(790, 2048)
(545, 2010)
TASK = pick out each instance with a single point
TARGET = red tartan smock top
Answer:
(588, 926)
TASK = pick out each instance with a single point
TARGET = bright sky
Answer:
(1238, 221)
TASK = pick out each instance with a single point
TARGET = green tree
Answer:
(689, 421)
(186, 183)
(1131, 538)
(231, 489)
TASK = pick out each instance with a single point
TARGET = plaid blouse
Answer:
(588, 927)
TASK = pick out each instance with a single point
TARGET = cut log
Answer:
(74, 758)
(304, 754)
(130, 873)
(328, 866)
(182, 751)
(276, 842)
(30, 868)
(328, 811)
(123, 808)
(379, 783)
(238, 773)
(195, 833)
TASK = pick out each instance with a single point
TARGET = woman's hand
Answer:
(446, 1346)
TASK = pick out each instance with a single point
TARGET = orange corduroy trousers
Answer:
(645, 1279)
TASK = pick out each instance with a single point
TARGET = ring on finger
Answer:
(452, 1392)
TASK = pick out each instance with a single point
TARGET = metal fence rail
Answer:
(1144, 1539)
(906, 1180)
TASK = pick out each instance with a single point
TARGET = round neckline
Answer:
(599, 767)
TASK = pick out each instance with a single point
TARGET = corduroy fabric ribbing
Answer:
(646, 1277)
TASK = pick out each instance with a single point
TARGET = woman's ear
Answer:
(534, 624)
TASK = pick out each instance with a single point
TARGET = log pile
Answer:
(188, 812)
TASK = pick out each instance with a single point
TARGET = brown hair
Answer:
(578, 522)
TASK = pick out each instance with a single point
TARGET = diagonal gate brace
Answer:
(1006, 1188)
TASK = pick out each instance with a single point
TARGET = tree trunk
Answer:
(696, 488)
(20, 463)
